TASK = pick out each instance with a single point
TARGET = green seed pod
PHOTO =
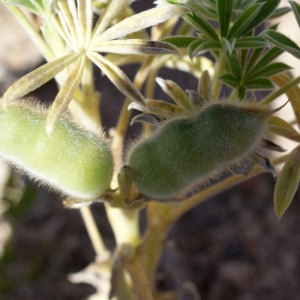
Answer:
(72, 160)
(186, 150)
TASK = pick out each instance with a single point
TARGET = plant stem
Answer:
(131, 259)
(213, 190)
(162, 216)
(123, 121)
(154, 237)
(34, 35)
(92, 230)
(281, 91)
(125, 225)
(219, 70)
(86, 107)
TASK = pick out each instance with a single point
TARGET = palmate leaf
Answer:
(251, 42)
(201, 24)
(36, 7)
(175, 92)
(224, 9)
(65, 95)
(141, 21)
(261, 58)
(228, 46)
(85, 15)
(37, 78)
(241, 25)
(279, 12)
(242, 92)
(180, 41)
(230, 80)
(203, 9)
(267, 10)
(287, 183)
(259, 83)
(269, 70)
(296, 10)
(267, 57)
(134, 47)
(233, 66)
(112, 10)
(201, 45)
(252, 58)
(281, 41)
(241, 5)
(118, 78)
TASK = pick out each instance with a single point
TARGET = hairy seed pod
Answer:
(186, 150)
(74, 161)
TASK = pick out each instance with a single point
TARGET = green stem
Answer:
(34, 35)
(125, 225)
(86, 105)
(162, 216)
(233, 96)
(213, 190)
(219, 70)
(92, 230)
(131, 259)
(281, 91)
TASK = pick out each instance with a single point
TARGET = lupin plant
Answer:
(184, 144)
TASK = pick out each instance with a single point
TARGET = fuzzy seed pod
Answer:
(186, 150)
(73, 161)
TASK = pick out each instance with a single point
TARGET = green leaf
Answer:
(204, 10)
(282, 41)
(287, 183)
(241, 25)
(279, 12)
(141, 21)
(283, 128)
(38, 77)
(233, 66)
(268, 8)
(118, 78)
(202, 25)
(296, 10)
(244, 55)
(175, 92)
(180, 41)
(34, 6)
(251, 42)
(202, 45)
(65, 95)
(267, 57)
(253, 58)
(230, 80)
(274, 26)
(241, 5)
(228, 46)
(259, 83)
(270, 70)
(224, 9)
(242, 92)
(134, 47)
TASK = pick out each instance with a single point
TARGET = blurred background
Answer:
(230, 247)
